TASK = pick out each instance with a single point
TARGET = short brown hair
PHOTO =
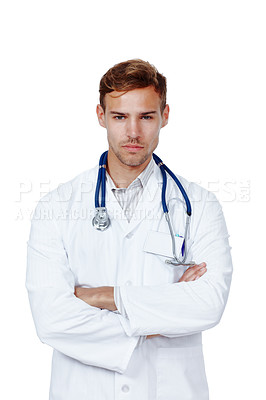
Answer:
(132, 74)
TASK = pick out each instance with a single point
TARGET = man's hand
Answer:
(191, 274)
(101, 297)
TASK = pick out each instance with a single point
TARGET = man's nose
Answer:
(133, 128)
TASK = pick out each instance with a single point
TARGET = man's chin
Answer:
(133, 159)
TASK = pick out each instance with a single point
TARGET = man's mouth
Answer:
(132, 147)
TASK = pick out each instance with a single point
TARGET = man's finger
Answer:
(193, 272)
(201, 272)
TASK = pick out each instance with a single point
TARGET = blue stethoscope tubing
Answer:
(164, 168)
(101, 221)
(101, 181)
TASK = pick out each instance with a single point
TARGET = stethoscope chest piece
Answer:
(101, 221)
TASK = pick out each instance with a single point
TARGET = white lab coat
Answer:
(98, 353)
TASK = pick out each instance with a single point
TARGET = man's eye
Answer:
(119, 117)
(146, 117)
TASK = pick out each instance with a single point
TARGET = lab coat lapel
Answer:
(149, 203)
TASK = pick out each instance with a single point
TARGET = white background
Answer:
(53, 54)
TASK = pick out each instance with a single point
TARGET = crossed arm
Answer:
(103, 296)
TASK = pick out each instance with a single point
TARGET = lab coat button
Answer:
(129, 235)
(125, 388)
(128, 283)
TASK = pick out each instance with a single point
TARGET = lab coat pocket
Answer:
(160, 243)
(181, 374)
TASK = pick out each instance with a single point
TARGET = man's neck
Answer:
(121, 174)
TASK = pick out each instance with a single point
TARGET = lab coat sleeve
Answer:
(184, 308)
(66, 323)
(121, 310)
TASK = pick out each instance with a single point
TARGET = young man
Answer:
(123, 323)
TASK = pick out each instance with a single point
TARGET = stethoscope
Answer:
(101, 220)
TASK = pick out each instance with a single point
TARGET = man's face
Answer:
(133, 122)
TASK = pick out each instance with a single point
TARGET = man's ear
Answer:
(165, 115)
(100, 115)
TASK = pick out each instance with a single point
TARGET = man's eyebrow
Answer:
(118, 113)
(148, 112)
(142, 113)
